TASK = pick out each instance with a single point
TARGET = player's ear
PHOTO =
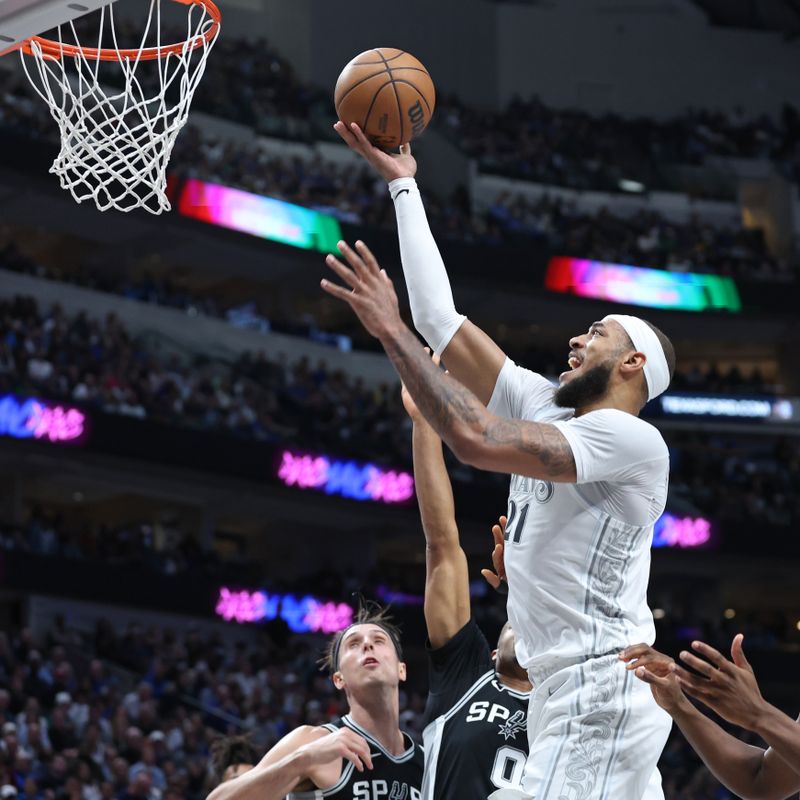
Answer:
(401, 671)
(338, 680)
(494, 655)
(633, 362)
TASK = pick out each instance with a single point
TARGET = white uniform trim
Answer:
(401, 759)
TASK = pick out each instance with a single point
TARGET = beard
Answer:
(586, 388)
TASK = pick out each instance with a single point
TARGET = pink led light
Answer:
(307, 615)
(241, 606)
(348, 479)
(328, 617)
(307, 472)
(58, 424)
(391, 487)
(683, 532)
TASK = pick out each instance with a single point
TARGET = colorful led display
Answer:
(682, 532)
(31, 418)
(265, 217)
(302, 615)
(639, 286)
(345, 478)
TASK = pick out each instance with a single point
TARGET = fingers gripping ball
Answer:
(388, 93)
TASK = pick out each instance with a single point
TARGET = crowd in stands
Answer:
(98, 364)
(148, 545)
(738, 480)
(133, 712)
(644, 239)
(567, 147)
(355, 195)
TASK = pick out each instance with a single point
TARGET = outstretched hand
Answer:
(727, 687)
(371, 295)
(498, 576)
(388, 165)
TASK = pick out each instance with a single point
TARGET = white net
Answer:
(119, 118)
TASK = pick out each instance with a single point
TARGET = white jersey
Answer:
(577, 556)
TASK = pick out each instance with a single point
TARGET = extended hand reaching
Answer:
(371, 293)
(388, 165)
(727, 687)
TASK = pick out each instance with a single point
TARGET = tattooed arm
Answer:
(474, 434)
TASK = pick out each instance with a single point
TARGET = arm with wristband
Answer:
(471, 356)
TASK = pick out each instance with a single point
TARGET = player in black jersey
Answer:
(364, 756)
(475, 736)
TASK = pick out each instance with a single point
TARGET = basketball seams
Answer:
(372, 103)
(396, 97)
(358, 83)
(416, 89)
(362, 103)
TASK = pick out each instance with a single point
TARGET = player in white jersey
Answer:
(589, 480)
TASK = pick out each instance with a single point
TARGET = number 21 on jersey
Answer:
(515, 525)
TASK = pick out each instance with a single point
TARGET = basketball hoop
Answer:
(116, 142)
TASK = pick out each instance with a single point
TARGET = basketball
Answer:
(388, 93)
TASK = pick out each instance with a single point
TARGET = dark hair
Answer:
(228, 751)
(369, 613)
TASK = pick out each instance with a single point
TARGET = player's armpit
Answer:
(533, 449)
(474, 358)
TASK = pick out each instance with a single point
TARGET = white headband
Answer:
(656, 371)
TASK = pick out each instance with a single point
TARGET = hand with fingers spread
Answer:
(727, 687)
(498, 577)
(344, 743)
(371, 294)
(388, 165)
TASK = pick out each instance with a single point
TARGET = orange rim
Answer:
(55, 50)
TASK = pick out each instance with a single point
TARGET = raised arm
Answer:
(749, 772)
(471, 356)
(475, 435)
(447, 604)
(307, 757)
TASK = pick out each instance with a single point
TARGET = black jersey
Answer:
(391, 777)
(475, 735)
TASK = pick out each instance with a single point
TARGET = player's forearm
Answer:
(735, 764)
(429, 292)
(453, 411)
(475, 435)
(272, 782)
(434, 491)
(782, 734)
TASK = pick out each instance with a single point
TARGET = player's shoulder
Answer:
(309, 733)
(638, 432)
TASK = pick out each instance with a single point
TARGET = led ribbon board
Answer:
(31, 418)
(681, 532)
(639, 286)
(302, 615)
(345, 478)
(265, 217)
